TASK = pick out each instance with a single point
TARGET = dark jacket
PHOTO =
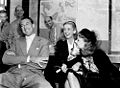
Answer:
(61, 55)
(103, 63)
(108, 75)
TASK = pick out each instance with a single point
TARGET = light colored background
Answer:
(92, 14)
(13, 4)
(115, 44)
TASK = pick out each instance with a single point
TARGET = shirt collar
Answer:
(70, 46)
(31, 36)
(71, 43)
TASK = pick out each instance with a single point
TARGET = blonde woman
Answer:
(63, 63)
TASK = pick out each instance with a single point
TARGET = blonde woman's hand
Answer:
(64, 68)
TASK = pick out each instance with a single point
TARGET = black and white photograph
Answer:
(59, 43)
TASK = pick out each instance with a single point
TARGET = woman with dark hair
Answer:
(98, 71)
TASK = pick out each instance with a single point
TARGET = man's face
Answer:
(48, 22)
(3, 17)
(27, 27)
(19, 11)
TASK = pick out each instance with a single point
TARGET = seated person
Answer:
(97, 70)
(4, 38)
(28, 58)
(62, 51)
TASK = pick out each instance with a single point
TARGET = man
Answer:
(54, 32)
(15, 31)
(29, 58)
(4, 28)
(4, 38)
(54, 29)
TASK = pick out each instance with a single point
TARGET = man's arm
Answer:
(10, 58)
(43, 57)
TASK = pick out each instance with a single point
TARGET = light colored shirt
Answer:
(89, 64)
(29, 40)
(55, 35)
(70, 46)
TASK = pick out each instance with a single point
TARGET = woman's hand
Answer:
(76, 66)
(75, 50)
(64, 68)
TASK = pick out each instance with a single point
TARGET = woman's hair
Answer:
(71, 23)
(74, 28)
(91, 39)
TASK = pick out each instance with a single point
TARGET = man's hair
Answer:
(46, 17)
(51, 17)
(31, 20)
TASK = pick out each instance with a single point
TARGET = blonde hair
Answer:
(74, 28)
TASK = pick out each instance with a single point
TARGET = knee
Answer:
(38, 85)
(70, 75)
(0, 78)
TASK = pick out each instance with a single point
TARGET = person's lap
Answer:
(24, 79)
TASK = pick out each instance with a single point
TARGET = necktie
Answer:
(2, 25)
(53, 35)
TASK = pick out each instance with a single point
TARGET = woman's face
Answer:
(80, 42)
(68, 31)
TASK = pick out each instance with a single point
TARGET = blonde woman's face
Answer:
(68, 31)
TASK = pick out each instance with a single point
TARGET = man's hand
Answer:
(10, 53)
(41, 61)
